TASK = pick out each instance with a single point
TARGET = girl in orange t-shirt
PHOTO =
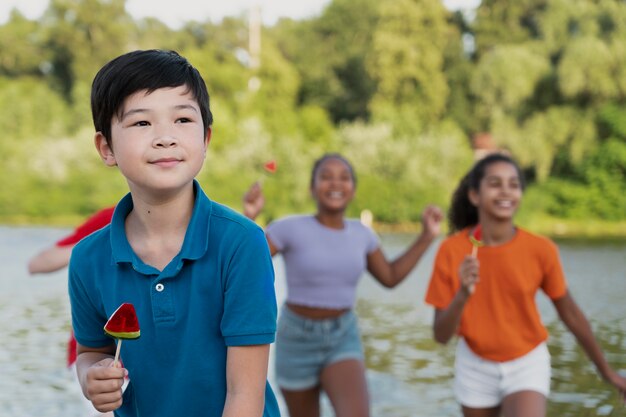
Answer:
(502, 362)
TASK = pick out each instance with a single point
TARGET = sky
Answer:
(175, 13)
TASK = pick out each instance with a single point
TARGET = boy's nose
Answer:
(165, 140)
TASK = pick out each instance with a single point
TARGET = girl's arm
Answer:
(101, 383)
(253, 201)
(246, 376)
(50, 260)
(577, 323)
(447, 320)
(392, 273)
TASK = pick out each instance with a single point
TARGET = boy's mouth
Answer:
(165, 162)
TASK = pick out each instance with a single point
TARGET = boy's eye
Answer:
(141, 123)
(184, 120)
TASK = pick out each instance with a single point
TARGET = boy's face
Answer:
(158, 142)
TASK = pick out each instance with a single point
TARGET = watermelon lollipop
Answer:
(270, 166)
(122, 324)
(477, 239)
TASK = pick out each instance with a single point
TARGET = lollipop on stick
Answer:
(269, 168)
(476, 238)
(122, 324)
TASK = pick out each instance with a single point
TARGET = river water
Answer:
(409, 375)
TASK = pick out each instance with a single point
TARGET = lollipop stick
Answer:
(474, 254)
(117, 352)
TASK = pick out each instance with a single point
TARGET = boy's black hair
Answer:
(143, 70)
(326, 157)
(462, 212)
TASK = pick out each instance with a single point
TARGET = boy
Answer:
(199, 275)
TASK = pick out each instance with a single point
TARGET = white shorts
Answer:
(480, 383)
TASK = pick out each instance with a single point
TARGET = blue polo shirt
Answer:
(217, 292)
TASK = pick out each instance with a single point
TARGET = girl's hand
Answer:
(431, 220)
(619, 382)
(104, 385)
(468, 274)
(253, 201)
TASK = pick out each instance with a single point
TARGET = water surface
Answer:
(408, 373)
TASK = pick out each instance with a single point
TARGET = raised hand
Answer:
(432, 217)
(253, 201)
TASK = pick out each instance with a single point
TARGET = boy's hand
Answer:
(253, 201)
(103, 385)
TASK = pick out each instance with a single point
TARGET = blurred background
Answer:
(411, 91)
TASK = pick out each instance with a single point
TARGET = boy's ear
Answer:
(105, 151)
(207, 139)
(472, 195)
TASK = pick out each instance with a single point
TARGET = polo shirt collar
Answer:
(196, 240)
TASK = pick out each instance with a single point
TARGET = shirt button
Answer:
(159, 287)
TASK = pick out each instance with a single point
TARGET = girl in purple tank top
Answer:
(318, 344)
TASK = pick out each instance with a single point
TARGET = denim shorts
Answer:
(304, 347)
(480, 383)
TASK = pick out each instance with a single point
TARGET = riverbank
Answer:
(592, 229)
(544, 225)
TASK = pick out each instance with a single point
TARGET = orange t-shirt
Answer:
(500, 321)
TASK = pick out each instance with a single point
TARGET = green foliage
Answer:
(406, 58)
(585, 70)
(385, 82)
(329, 54)
(503, 22)
(612, 121)
(602, 192)
(22, 47)
(400, 175)
(543, 136)
(506, 77)
(31, 110)
(82, 35)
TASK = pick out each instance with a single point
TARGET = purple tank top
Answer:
(323, 265)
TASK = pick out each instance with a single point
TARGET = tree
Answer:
(329, 53)
(501, 22)
(22, 46)
(406, 59)
(82, 35)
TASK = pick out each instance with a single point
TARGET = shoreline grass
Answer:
(561, 229)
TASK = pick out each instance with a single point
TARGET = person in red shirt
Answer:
(502, 364)
(57, 257)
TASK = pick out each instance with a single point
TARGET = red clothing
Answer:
(500, 321)
(93, 223)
